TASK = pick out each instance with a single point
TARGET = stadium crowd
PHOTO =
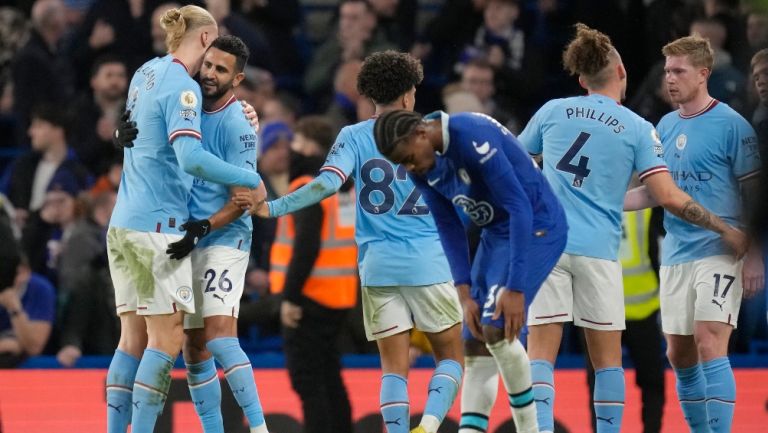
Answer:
(64, 72)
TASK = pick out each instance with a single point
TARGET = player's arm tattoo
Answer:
(695, 213)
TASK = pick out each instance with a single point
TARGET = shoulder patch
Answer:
(188, 99)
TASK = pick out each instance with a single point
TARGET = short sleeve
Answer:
(341, 157)
(744, 151)
(649, 152)
(182, 108)
(532, 137)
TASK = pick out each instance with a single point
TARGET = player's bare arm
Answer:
(661, 190)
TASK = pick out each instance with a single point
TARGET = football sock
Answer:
(692, 391)
(443, 388)
(609, 399)
(205, 389)
(481, 384)
(543, 376)
(721, 394)
(239, 374)
(515, 372)
(395, 408)
(120, 377)
(153, 378)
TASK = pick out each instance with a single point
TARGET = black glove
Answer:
(195, 230)
(125, 133)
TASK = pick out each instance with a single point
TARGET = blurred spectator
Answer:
(256, 88)
(89, 324)
(478, 77)
(14, 32)
(397, 19)
(314, 266)
(759, 219)
(757, 33)
(46, 232)
(42, 72)
(97, 115)
(108, 181)
(27, 179)
(548, 30)
(728, 13)
(116, 27)
(27, 312)
(456, 100)
(357, 36)
(651, 101)
(665, 20)
(274, 161)
(156, 32)
(726, 83)
(279, 108)
(278, 21)
(76, 10)
(498, 40)
(450, 31)
(232, 23)
(348, 106)
(757, 30)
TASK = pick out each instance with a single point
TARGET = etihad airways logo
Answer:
(696, 176)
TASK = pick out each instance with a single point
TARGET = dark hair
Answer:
(317, 129)
(10, 254)
(480, 63)
(393, 127)
(235, 46)
(368, 6)
(106, 59)
(54, 115)
(588, 55)
(387, 75)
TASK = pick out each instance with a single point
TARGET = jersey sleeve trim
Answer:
(652, 171)
(335, 170)
(188, 132)
(749, 175)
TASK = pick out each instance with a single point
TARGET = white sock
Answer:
(262, 428)
(515, 371)
(481, 384)
(430, 423)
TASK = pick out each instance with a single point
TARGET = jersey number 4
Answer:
(579, 171)
(384, 198)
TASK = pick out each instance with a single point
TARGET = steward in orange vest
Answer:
(332, 282)
(313, 263)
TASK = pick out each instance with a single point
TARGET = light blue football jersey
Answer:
(227, 135)
(398, 243)
(591, 145)
(165, 103)
(708, 154)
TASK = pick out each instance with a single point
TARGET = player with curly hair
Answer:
(404, 273)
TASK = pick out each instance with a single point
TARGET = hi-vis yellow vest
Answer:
(333, 281)
(641, 286)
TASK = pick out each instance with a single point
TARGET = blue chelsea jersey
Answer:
(165, 103)
(591, 145)
(708, 154)
(484, 171)
(227, 135)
